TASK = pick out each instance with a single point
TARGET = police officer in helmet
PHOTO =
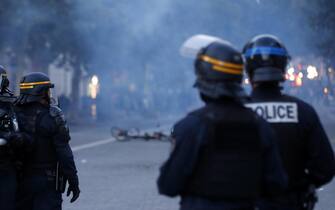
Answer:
(305, 148)
(11, 141)
(51, 162)
(224, 155)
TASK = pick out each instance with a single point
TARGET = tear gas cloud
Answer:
(134, 45)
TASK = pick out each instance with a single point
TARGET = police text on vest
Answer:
(276, 112)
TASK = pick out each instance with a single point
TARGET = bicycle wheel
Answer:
(133, 132)
(119, 134)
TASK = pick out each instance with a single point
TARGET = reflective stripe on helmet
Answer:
(266, 51)
(27, 87)
(221, 63)
(226, 67)
(227, 70)
(30, 85)
(36, 83)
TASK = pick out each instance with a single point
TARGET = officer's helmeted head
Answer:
(4, 81)
(219, 69)
(35, 87)
(266, 59)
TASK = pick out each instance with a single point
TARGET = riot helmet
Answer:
(35, 87)
(266, 59)
(218, 69)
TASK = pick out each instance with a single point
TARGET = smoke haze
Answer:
(134, 45)
(140, 40)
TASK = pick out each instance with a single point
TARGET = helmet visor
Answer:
(192, 46)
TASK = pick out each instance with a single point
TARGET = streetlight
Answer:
(93, 93)
(94, 87)
(290, 74)
(312, 72)
(325, 90)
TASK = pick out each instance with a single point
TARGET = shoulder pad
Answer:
(198, 112)
(57, 114)
(55, 111)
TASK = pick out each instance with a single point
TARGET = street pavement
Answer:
(118, 175)
(122, 175)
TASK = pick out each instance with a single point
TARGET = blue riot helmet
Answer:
(266, 59)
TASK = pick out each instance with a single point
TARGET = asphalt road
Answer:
(122, 175)
(118, 175)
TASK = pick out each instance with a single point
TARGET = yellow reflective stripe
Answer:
(227, 70)
(35, 83)
(221, 63)
(27, 87)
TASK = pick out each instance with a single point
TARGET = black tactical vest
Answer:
(289, 132)
(43, 154)
(230, 163)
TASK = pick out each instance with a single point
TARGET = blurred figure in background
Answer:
(224, 155)
(305, 148)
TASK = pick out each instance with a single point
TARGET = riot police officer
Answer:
(10, 142)
(305, 149)
(51, 160)
(224, 155)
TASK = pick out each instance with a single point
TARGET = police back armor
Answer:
(293, 120)
(229, 165)
(42, 123)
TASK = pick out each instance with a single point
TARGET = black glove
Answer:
(74, 188)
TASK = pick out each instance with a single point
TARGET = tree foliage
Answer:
(134, 36)
(40, 30)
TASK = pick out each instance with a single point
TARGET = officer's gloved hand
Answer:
(74, 189)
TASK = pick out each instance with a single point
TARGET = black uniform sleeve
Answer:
(177, 169)
(320, 156)
(61, 138)
(275, 179)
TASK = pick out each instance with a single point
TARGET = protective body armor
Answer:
(229, 165)
(284, 114)
(43, 154)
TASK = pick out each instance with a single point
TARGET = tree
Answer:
(42, 31)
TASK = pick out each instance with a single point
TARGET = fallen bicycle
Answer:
(134, 133)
